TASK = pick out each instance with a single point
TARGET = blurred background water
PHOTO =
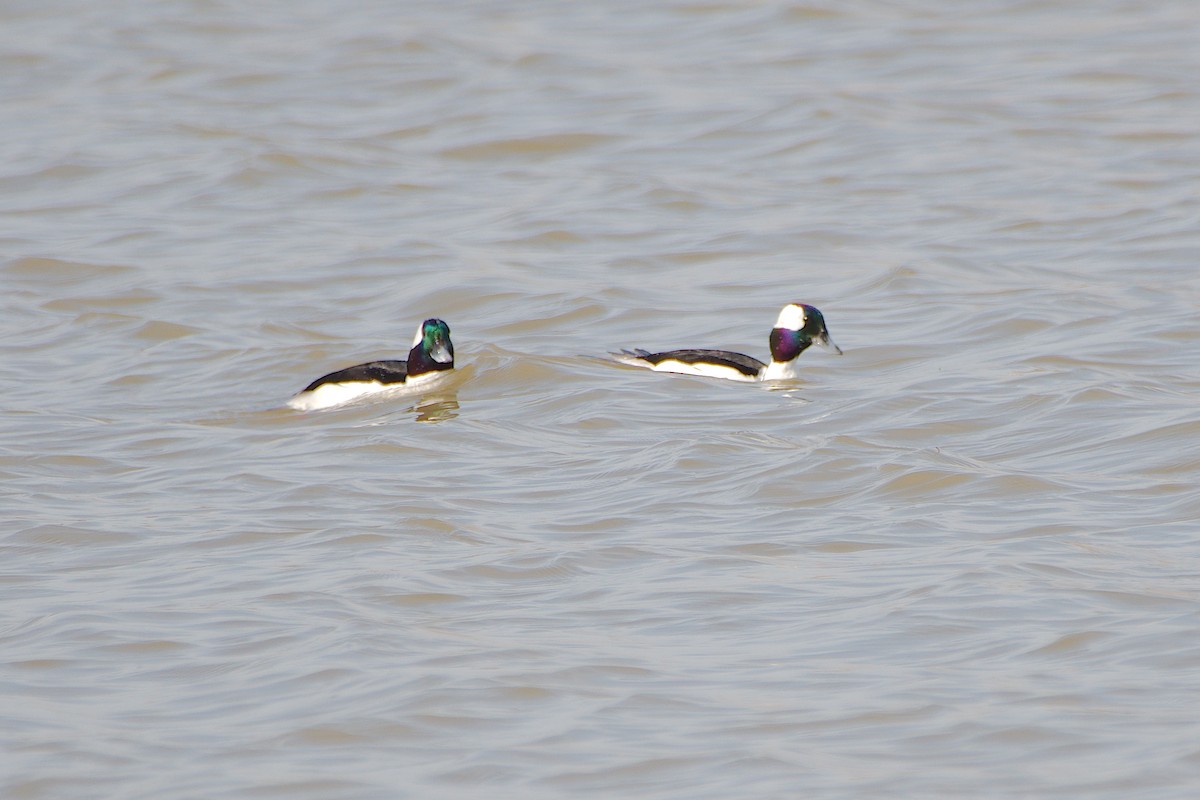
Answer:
(961, 560)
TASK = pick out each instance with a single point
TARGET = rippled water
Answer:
(961, 560)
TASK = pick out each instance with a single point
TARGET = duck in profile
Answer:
(797, 327)
(431, 356)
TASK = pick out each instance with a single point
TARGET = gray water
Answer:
(961, 560)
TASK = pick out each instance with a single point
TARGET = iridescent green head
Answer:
(432, 348)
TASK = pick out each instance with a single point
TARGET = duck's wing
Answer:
(744, 364)
(372, 372)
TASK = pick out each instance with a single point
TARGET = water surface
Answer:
(960, 560)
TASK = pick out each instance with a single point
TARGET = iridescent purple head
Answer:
(797, 327)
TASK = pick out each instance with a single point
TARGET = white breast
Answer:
(782, 371)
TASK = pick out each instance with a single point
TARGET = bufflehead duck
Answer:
(798, 326)
(432, 353)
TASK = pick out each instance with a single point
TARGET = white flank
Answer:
(328, 395)
(791, 317)
(703, 370)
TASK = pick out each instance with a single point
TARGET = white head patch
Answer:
(420, 335)
(792, 317)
